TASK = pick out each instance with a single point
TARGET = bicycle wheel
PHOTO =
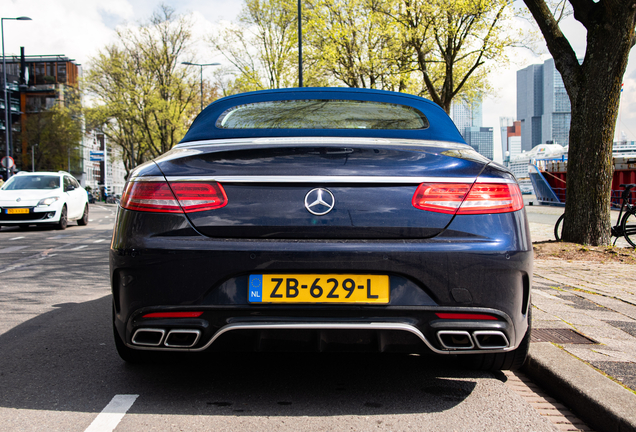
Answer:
(558, 228)
(629, 227)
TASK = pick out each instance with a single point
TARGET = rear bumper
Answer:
(389, 329)
(181, 270)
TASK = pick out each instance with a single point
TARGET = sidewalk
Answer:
(597, 301)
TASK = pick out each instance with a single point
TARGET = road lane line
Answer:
(11, 249)
(17, 238)
(99, 241)
(80, 247)
(110, 416)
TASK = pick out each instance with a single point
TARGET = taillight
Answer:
(173, 315)
(440, 197)
(174, 198)
(463, 198)
(466, 316)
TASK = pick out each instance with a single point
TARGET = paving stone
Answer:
(627, 325)
(588, 354)
(624, 372)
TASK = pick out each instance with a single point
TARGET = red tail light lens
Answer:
(174, 198)
(492, 198)
(195, 197)
(479, 198)
(173, 315)
(150, 197)
(465, 316)
(440, 197)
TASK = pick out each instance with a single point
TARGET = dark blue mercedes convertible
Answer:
(323, 219)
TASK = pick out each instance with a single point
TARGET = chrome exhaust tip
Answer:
(455, 339)
(182, 338)
(148, 337)
(489, 339)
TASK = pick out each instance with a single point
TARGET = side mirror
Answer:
(69, 188)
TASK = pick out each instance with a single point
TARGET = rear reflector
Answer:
(174, 198)
(466, 198)
(173, 315)
(465, 316)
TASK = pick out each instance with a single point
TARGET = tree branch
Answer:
(558, 45)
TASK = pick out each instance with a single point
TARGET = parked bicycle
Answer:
(625, 223)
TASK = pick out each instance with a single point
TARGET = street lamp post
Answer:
(300, 45)
(201, 66)
(7, 105)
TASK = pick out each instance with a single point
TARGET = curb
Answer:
(600, 402)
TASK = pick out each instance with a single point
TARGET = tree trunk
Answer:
(595, 99)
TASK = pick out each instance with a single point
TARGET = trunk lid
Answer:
(271, 188)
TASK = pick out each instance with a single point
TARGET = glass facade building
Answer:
(543, 106)
(467, 116)
(481, 139)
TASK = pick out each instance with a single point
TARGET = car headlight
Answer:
(48, 201)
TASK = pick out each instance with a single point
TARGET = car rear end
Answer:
(321, 243)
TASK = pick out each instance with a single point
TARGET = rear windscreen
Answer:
(322, 114)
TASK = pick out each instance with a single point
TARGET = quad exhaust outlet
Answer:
(480, 339)
(181, 338)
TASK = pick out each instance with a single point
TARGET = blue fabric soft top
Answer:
(441, 126)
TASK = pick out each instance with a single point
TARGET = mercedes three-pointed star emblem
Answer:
(319, 201)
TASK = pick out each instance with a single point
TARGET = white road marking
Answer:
(80, 247)
(17, 238)
(11, 249)
(110, 416)
(99, 241)
(90, 220)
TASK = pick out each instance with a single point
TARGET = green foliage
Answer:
(435, 48)
(261, 46)
(450, 42)
(357, 44)
(145, 100)
(55, 134)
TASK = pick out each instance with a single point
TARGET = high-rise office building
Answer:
(481, 139)
(543, 106)
(466, 114)
(468, 119)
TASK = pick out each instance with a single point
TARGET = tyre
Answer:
(84, 219)
(63, 223)
(511, 360)
(629, 227)
(558, 228)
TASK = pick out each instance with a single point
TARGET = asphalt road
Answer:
(59, 369)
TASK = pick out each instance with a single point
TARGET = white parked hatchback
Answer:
(43, 198)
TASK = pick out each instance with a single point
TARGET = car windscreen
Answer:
(322, 114)
(32, 182)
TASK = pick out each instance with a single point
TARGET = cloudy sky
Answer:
(78, 29)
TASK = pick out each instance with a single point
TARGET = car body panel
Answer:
(201, 261)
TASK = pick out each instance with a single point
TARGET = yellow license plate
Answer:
(329, 288)
(18, 211)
